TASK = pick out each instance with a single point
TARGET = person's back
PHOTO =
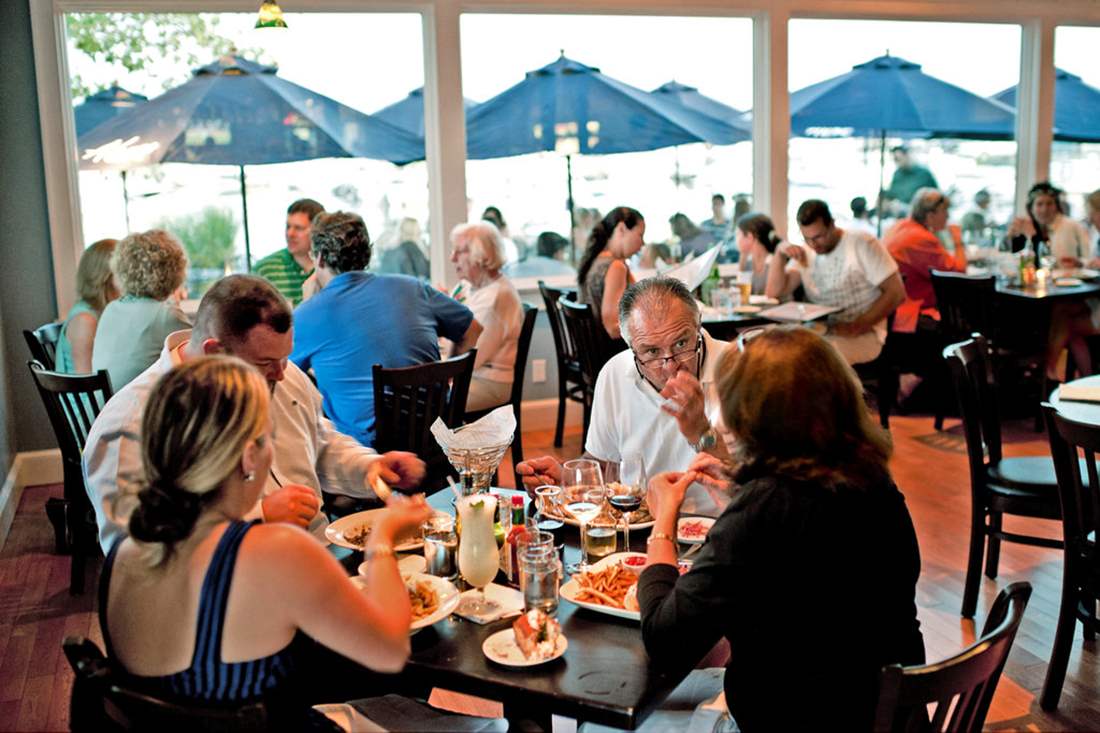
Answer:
(130, 335)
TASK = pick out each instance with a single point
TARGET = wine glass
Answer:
(582, 484)
(627, 495)
(478, 556)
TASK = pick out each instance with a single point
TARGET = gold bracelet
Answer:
(378, 551)
(659, 536)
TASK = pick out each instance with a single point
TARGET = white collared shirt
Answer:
(627, 420)
(308, 449)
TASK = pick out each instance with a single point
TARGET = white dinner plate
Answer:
(1068, 282)
(1083, 273)
(570, 590)
(408, 565)
(762, 300)
(337, 532)
(502, 648)
(747, 309)
(692, 538)
(618, 525)
(446, 591)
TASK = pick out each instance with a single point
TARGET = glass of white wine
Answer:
(582, 484)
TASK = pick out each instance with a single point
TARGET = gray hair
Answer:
(651, 292)
(925, 201)
(486, 246)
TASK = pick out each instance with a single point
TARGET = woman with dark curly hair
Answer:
(811, 571)
(150, 267)
(362, 318)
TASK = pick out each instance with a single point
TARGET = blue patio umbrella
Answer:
(572, 108)
(408, 114)
(673, 92)
(103, 105)
(889, 95)
(236, 112)
(1076, 108)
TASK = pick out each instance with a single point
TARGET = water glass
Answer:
(540, 576)
(722, 300)
(440, 547)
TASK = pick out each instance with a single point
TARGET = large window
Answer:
(713, 56)
(326, 53)
(839, 165)
(1075, 165)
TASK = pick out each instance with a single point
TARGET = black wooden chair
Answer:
(73, 401)
(42, 342)
(998, 486)
(103, 701)
(523, 347)
(407, 400)
(570, 377)
(1081, 526)
(959, 688)
(590, 341)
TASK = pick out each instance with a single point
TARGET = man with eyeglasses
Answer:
(656, 400)
(846, 269)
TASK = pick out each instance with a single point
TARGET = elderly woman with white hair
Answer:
(477, 252)
(916, 243)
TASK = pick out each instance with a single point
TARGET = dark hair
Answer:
(1046, 188)
(235, 305)
(309, 207)
(900, 149)
(813, 210)
(760, 226)
(601, 233)
(682, 226)
(797, 410)
(650, 289)
(718, 197)
(493, 214)
(341, 242)
(859, 207)
(550, 243)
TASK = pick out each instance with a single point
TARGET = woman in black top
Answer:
(811, 571)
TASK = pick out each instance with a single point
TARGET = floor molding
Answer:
(30, 468)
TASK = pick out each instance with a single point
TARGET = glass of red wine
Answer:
(626, 491)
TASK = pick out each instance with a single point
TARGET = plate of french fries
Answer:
(608, 586)
(432, 599)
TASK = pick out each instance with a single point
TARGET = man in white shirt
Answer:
(849, 270)
(656, 401)
(245, 316)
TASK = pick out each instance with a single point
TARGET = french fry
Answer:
(607, 587)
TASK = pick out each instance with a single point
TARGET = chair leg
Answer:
(974, 563)
(560, 427)
(993, 553)
(517, 450)
(1063, 640)
(1088, 628)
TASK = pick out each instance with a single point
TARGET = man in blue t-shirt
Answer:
(360, 319)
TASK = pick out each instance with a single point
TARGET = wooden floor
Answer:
(36, 611)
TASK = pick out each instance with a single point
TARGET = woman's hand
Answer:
(401, 516)
(666, 494)
(712, 472)
(1022, 225)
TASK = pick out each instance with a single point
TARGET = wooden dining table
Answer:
(1076, 410)
(603, 677)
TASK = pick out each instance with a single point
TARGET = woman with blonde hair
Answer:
(815, 558)
(199, 605)
(150, 267)
(96, 286)
(477, 252)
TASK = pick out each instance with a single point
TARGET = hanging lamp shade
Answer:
(271, 16)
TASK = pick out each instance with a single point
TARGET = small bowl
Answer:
(635, 562)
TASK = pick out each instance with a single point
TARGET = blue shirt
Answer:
(361, 319)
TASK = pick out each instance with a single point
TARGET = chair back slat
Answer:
(1080, 501)
(523, 350)
(407, 400)
(962, 687)
(588, 336)
(42, 343)
(563, 341)
(965, 303)
(72, 402)
(976, 392)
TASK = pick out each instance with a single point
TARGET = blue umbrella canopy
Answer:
(1076, 108)
(236, 112)
(408, 114)
(673, 92)
(573, 108)
(891, 95)
(103, 105)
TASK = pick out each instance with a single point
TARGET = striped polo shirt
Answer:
(284, 272)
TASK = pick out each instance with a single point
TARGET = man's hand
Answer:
(397, 468)
(686, 403)
(796, 252)
(537, 472)
(293, 504)
(850, 328)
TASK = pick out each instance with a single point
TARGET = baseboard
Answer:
(543, 414)
(30, 468)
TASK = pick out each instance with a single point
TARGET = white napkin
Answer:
(494, 429)
(1079, 393)
(509, 603)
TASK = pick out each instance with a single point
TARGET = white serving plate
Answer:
(501, 648)
(447, 592)
(335, 532)
(570, 589)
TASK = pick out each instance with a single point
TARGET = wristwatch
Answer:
(706, 441)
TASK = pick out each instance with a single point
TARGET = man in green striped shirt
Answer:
(288, 268)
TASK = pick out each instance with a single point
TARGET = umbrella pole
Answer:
(125, 202)
(569, 205)
(881, 169)
(247, 242)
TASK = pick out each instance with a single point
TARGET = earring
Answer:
(250, 476)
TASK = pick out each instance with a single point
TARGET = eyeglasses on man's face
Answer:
(680, 353)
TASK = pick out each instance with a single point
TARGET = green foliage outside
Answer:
(209, 238)
(132, 41)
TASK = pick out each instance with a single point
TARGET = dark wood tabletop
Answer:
(1083, 412)
(1048, 293)
(603, 677)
